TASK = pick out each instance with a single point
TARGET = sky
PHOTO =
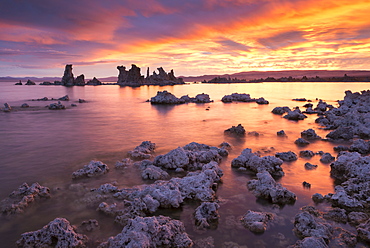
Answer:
(193, 37)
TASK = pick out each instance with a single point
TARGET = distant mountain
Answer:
(250, 75)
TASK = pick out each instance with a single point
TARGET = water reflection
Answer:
(163, 109)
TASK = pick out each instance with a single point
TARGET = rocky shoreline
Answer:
(192, 174)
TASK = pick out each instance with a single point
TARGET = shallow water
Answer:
(45, 146)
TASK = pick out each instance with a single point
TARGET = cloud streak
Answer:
(193, 37)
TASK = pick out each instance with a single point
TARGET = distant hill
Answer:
(250, 75)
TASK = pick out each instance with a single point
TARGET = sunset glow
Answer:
(191, 37)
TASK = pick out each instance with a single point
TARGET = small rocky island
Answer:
(133, 77)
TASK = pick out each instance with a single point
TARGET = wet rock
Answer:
(7, 107)
(327, 158)
(126, 162)
(58, 233)
(176, 158)
(356, 218)
(225, 145)
(310, 242)
(336, 214)
(280, 110)
(256, 221)
(301, 142)
(287, 156)
(149, 171)
(156, 231)
(309, 134)
(236, 130)
(363, 231)
(165, 97)
(341, 148)
(262, 100)
(68, 78)
(321, 106)
(281, 133)
(30, 82)
(143, 151)
(200, 98)
(204, 243)
(266, 187)
(295, 115)
(237, 97)
(94, 81)
(306, 154)
(306, 184)
(341, 133)
(361, 146)
(255, 163)
(351, 165)
(19, 199)
(206, 214)
(64, 98)
(317, 198)
(94, 168)
(88, 226)
(56, 106)
(25, 105)
(81, 101)
(309, 166)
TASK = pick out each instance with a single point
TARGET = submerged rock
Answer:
(206, 214)
(94, 168)
(327, 158)
(309, 166)
(143, 151)
(156, 231)
(255, 163)
(266, 187)
(19, 199)
(56, 106)
(256, 221)
(236, 130)
(306, 154)
(301, 142)
(58, 233)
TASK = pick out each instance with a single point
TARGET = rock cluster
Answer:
(165, 97)
(156, 231)
(295, 115)
(255, 163)
(310, 134)
(94, 168)
(256, 221)
(350, 119)
(267, 188)
(58, 233)
(94, 81)
(69, 80)
(143, 151)
(19, 199)
(133, 77)
(30, 82)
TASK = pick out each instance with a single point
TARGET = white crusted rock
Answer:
(206, 214)
(256, 221)
(94, 168)
(143, 151)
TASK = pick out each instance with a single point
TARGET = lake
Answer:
(46, 146)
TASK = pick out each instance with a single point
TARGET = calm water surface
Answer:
(40, 145)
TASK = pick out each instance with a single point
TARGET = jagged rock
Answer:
(80, 80)
(310, 166)
(363, 231)
(361, 146)
(336, 214)
(149, 171)
(287, 156)
(266, 187)
(255, 163)
(56, 106)
(341, 148)
(30, 82)
(94, 168)
(341, 133)
(143, 151)
(25, 105)
(156, 231)
(327, 158)
(237, 97)
(306, 154)
(19, 199)
(176, 158)
(236, 130)
(94, 81)
(356, 218)
(317, 198)
(256, 221)
(7, 107)
(301, 142)
(309, 134)
(64, 98)
(280, 110)
(321, 106)
(58, 233)
(295, 115)
(68, 78)
(281, 133)
(206, 214)
(262, 100)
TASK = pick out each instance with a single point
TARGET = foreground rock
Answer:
(206, 214)
(58, 233)
(143, 151)
(165, 97)
(255, 163)
(350, 119)
(19, 199)
(287, 156)
(156, 231)
(267, 188)
(133, 77)
(256, 221)
(94, 168)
